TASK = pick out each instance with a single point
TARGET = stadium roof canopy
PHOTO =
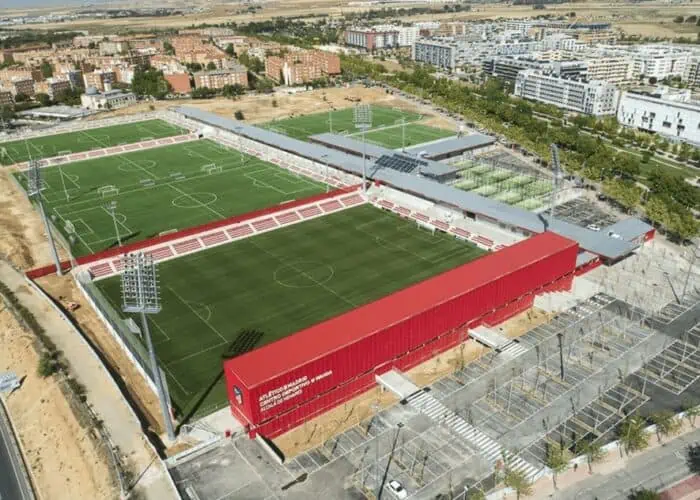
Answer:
(629, 229)
(597, 242)
(350, 145)
(451, 145)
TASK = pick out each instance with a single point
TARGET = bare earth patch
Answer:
(64, 460)
(63, 289)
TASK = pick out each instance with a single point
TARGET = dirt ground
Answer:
(64, 461)
(64, 290)
(318, 430)
(22, 235)
(259, 108)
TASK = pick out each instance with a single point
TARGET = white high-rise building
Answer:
(593, 97)
(668, 112)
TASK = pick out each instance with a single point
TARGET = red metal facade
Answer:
(274, 388)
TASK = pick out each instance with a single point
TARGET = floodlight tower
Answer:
(362, 117)
(324, 159)
(34, 189)
(111, 208)
(141, 294)
(556, 167)
(691, 263)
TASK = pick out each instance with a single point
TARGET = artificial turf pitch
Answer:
(85, 140)
(231, 298)
(161, 189)
(301, 127)
(392, 137)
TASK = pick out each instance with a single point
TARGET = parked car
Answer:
(397, 489)
(593, 227)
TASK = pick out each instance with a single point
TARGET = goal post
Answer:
(65, 152)
(426, 227)
(211, 168)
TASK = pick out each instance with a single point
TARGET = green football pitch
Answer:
(301, 127)
(85, 140)
(229, 299)
(392, 136)
(161, 189)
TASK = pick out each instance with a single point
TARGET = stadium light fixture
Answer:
(362, 117)
(141, 294)
(34, 188)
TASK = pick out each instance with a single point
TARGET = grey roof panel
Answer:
(629, 229)
(344, 142)
(452, 145)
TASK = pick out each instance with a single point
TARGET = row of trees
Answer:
(587, 155)
(632, 437)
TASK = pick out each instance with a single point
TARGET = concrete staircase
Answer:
(489, 449)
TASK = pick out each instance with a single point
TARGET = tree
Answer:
(644, 494)
(46, 69)
(43, 99)
(593, 451)
(476, 495)
(264, 85)
(626, 193)
(238, 115)
(275, 103)
(693, 458)
(666, 424)
(149, 81)
(21, 97)
(519, 482)
(230, 50)
(678, 19)
(69, 97)
(653, 80)
(168, 48)
(232, 91)
(691, 19)
(692, 410)
(6, 114)
(48, 365)
(211, 65)
(203, 93)
(92, 46)
(558, 459)
(632, 434)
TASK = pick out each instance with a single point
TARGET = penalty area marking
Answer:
(303, 274)
(136, 166)
(195, 200)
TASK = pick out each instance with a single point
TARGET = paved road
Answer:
(655, 470)
(13, 482)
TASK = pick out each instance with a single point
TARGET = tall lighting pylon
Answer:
(362, 117)
(141, 294)
(34, 189)
(556, 168)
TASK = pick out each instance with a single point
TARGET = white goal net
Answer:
(108, 190)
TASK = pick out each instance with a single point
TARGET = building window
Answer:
(666, 124)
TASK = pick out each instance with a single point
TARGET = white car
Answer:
(593, 227)
(398, 490)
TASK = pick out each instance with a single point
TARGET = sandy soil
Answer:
(316, 431)
(259, 108)
(524, 322)
(22, 236)
(64, 289)
(64, 460)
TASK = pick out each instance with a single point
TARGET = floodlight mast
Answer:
(556, 167)
(141, 294)
(34, 188)
(111, 208)
(362, 116)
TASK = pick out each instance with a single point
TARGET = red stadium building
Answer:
(278, 386)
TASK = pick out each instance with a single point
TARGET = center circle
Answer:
(194, 200)
(303, 274)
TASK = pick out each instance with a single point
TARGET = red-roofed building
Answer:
(280, 385)
(180, 82)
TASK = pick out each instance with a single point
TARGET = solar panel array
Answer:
(400, 163)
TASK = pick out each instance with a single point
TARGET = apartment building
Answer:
(660, 62)
(179, 82)
(665, 111)
(507, 68)
(216, 79)
(56, 86)
(371, 39)
(611, 69)
(442, 54)
(691, 74)
(592, 97)
(299, 67)
(75, 77)
(24, 86)
(99, 79)
(5, 97)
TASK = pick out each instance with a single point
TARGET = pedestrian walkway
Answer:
(489, 449)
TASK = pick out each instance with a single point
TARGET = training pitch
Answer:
(85, 140)
(301, 127)
(161, 189)
(236, 297)
(393, 136)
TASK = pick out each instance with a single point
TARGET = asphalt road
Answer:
(13, 483)
(655, 470)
